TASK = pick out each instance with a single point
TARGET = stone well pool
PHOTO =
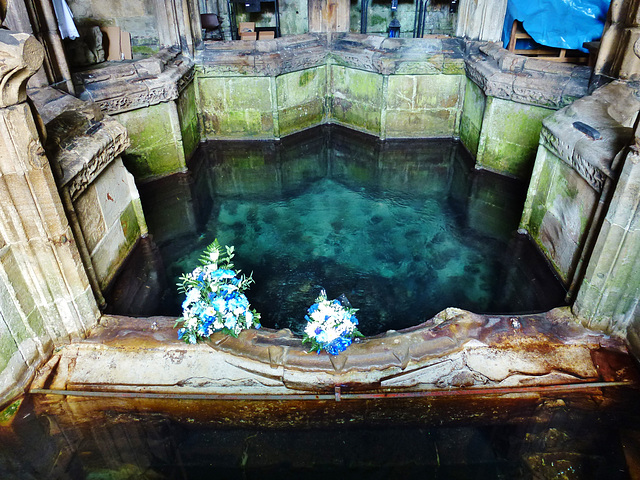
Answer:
(403, 228)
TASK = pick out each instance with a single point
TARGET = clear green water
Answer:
(403, 228)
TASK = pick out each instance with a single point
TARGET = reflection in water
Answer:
(403, 228)
(576, 437)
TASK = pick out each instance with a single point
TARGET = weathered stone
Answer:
(456, 349)
(509, 137)
(472, 116)
(156, 141)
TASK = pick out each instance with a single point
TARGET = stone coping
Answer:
(527, 80)
(81, 141)
(123, 86)
(455, 349)
(611, 110)
(129, 85)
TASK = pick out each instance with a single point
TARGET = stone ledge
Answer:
(611, 111)
(120, 87)
(531, 81)
(456, 349)
(365, 52)
(81, 141)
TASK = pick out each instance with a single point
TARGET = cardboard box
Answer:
(247, 27)
(266, 35)
(118, 43)
(248, 36)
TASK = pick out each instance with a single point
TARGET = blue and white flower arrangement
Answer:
(331, 325)
(214, 299)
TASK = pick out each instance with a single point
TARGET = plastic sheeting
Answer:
(65, 20)
(558, 23)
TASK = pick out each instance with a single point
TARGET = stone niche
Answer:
(102, 201)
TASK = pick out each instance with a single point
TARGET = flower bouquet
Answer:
(215, 301)
(331, 325)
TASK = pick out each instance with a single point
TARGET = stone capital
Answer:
(21, 56)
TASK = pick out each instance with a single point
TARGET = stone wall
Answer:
(155, 100)
(391, 88)
(506, 99)
(137, 17)
(45, 295)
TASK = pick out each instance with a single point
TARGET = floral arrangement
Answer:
(215, 301)
(331, 325)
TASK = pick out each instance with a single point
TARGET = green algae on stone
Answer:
(236, 107)
(509, 137)
(156, 142)
(188, 115)
(7, 415)
(301, 99)
(472, 116)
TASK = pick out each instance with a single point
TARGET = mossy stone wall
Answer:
(388, 106)
(157, 147)
(472, 115)
(301, 99)
(509, 136)
(236, 107)
(356, 98)
(423, 105)
(557, 211)
(188, 120)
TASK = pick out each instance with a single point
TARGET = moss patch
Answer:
(8, 414)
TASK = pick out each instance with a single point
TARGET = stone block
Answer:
(156, 141)
(472, 116)
(90, 217)
(238, 107)
(509, 137)
(110, 253)
(112, 191)
(188, 117)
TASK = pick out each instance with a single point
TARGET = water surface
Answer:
(404, 229)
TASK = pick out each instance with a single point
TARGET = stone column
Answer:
(45, 296)
(328, 16)
(610, 292)
(481, 19)
(179, 24)
(619, 54)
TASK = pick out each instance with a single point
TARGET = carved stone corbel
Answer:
(22, 56)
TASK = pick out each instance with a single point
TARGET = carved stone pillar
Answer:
(481, 19)
(179, 24)
(328, 16)
(619, 54)
(45, 296)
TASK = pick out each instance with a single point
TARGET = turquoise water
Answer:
(403, 228)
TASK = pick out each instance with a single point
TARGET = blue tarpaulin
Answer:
(558, 23)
